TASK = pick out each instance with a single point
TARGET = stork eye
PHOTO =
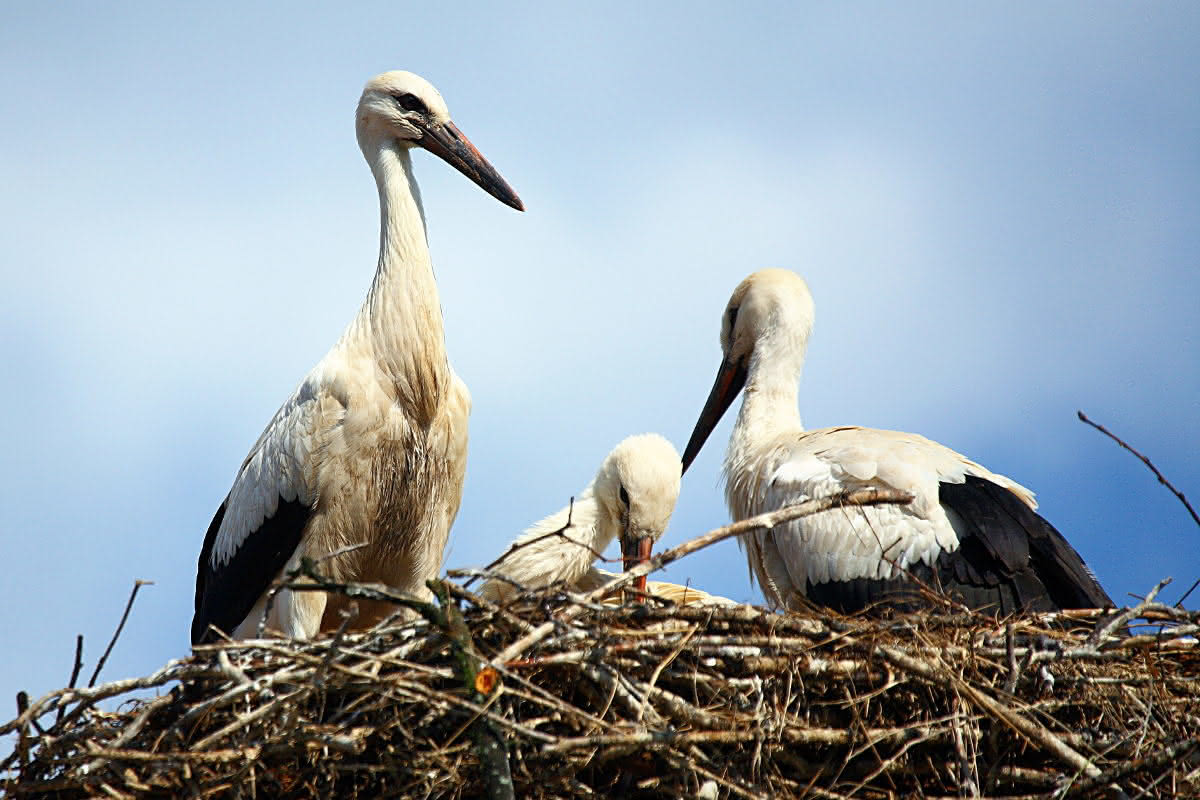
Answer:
(409, 102)
(732, 315)
(625, 497)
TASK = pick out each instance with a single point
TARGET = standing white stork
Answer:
(372, 446)
(631, 499)
(970, 532)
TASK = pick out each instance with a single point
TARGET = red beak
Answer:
(637, 552)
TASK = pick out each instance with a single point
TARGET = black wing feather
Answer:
(1009, 559)
(224, 596)
(1000, 518)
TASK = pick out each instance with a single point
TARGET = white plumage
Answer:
(631, 499)
(371, 448)
(968, 530)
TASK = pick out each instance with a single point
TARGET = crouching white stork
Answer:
(630, 499)
(969, 532)
(372, 446)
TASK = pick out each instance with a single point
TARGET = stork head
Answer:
(769, 316)
(404, 108)
(636, 489)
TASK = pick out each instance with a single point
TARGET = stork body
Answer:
(371, 448)
(631, 499)
(969, 531)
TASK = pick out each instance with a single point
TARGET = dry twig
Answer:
(1161, 478)
(138, 584)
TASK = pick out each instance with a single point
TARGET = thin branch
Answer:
(341, 551)
(1192, 588)
(661, 666)
(1161, 479)
(74, 672)
(1106, 629)
(561, 533)
(137, 584)
(349, 614)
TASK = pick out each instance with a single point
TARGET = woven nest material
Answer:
(556, 697)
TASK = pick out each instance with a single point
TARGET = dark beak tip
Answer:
(448, 143)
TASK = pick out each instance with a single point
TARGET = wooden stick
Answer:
(138, 584)
(74, 672)
(1161, 478)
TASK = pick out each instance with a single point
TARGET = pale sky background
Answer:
(997, 208)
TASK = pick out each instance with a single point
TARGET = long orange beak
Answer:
(451, 145)
(731, 378)
(634, 552)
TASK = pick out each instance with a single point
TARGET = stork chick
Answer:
(968, 531)
(370, 451)
(630, 499)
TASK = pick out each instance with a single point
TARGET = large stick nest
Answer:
(556, 696)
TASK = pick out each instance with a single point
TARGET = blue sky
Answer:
(998, 213)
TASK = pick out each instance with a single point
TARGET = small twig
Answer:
(1014, 667)
(74, 672)
(237, 674)
(348, 615)
(968, 767)
(78, 661)
(23, 733)
(1192, 588)
(1161, 479)
(341, 551)
(661, 666)
(1102, 632)
(515, 546)
(232, 754)
(137, 584)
